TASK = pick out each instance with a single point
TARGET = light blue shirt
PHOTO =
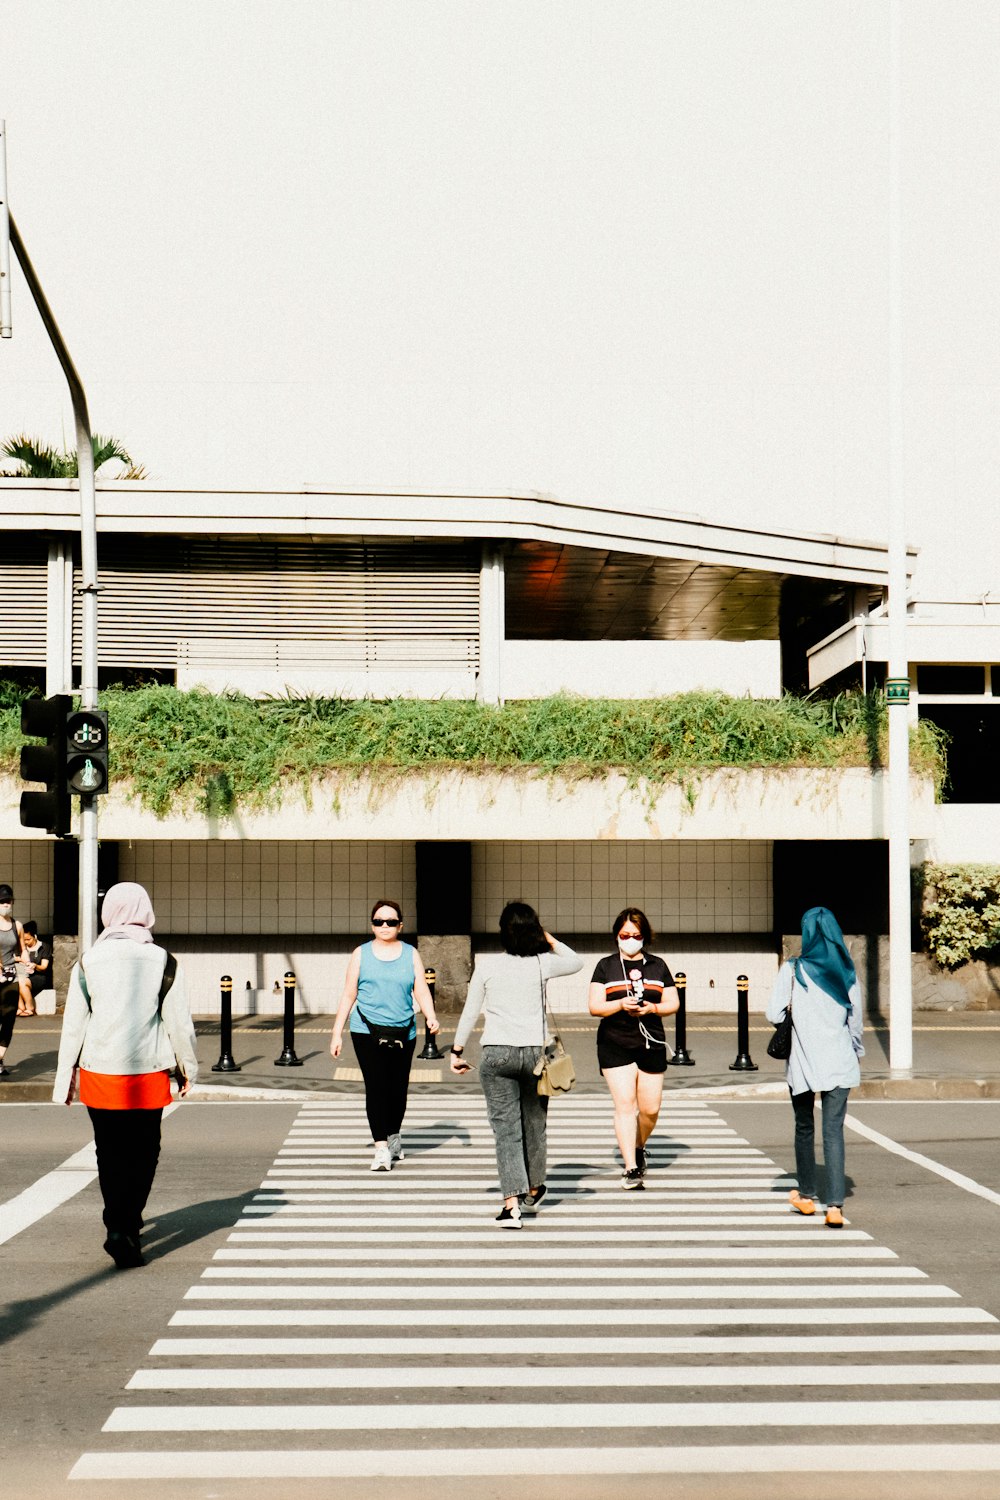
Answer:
(826, 1038)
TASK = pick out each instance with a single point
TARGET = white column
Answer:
(491, 624)
(898, 677)
(56, 673)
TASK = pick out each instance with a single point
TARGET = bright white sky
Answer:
(633, 250)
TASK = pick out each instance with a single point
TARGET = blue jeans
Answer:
(516, 1112)
(834, 1110)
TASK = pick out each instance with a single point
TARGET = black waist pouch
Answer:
(386, 1036)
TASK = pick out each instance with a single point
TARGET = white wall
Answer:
(640, 669)
(267, 887)
(26, 866)
(714, 886)
(964, 833)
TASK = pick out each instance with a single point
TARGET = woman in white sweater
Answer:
(127, 1026)
(511, 990)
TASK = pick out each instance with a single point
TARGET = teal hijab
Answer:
(824, 955)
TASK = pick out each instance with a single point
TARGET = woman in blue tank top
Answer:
(385, 980)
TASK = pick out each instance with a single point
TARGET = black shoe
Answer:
(124, 1249)
(530, 1201)
(632, 1180)
(509, 1218)
(640, 1160)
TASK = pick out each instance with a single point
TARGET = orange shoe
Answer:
(801, 1205)
(834, 1218)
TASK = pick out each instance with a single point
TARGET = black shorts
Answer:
(651, 1059)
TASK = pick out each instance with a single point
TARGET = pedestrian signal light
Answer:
(87, 752)
(45, 718)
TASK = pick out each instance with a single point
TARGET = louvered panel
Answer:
(154, 596)
(23, 561)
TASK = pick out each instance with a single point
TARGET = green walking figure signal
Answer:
(74, 758)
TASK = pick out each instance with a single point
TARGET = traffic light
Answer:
(87, 751)
(45, 718)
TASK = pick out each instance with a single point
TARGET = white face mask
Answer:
(6, 908)
(630, 946)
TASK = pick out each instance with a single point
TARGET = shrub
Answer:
(221, 752)
(961, 915)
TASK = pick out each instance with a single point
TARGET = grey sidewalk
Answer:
(956, 1056)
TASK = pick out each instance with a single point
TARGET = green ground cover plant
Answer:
(961, 912)
(218, 753)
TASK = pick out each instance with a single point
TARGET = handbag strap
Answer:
(548, 1025)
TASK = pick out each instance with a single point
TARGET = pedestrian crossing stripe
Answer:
(517, 1461)
(726, 1271)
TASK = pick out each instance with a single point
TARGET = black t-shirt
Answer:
(645, 975)
(41, 979)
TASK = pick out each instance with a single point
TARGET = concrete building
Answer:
(475, 596)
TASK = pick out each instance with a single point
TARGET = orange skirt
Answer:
(124, 1090)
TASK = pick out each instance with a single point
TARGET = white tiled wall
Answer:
(709, 886)
(270, 887)
(26, 866)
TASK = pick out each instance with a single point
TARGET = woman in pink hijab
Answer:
(126, 1028)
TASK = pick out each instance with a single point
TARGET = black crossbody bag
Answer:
(386, 1036)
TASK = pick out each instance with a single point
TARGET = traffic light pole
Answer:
(87, 928)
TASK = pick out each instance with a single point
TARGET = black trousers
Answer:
(9, 997)
(128, 1148)
(386, 1071)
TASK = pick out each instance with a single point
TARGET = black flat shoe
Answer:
(124, 1250)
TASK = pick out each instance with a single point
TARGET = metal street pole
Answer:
(88, 567)
(5, 323)
(898, 678)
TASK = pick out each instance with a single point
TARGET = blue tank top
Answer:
(385, 991)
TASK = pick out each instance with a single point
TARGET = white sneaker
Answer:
(381, 1161)
(396, 1148)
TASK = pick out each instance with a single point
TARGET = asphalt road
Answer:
(76, 1332)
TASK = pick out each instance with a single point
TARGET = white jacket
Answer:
(120, 1031)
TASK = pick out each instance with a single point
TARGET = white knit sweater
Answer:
(120, 1031)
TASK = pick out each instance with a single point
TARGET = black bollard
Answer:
(744, 1063)
(226, 1063)
(682, 1057)
(431, 1052)
(288, 1058)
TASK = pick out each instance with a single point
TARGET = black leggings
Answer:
(128, 1148)
(386, 1071)
(9, 1000)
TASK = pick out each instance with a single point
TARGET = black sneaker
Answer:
(632, 1180)
(640, 1160)
(530, 1201)
(509, 1218)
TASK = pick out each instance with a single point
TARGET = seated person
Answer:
(37, 970)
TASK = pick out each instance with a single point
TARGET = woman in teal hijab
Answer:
(824, 957)
(821, 989)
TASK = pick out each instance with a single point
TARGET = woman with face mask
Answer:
(632, 990)
(11, 954)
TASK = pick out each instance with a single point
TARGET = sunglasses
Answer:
(385, 922)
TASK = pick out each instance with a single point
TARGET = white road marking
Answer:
(513, 1250)
(491, 1415)
(967, 1184)
(654, 1291)
(462, 1217)
(362, 1276)
(500, 1377)
(48, 1193)
(488, 1235)
(803, 1316)
(256, 1463)
(51, 1191)
(520, 1346)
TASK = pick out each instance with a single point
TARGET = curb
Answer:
(894, 1089)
